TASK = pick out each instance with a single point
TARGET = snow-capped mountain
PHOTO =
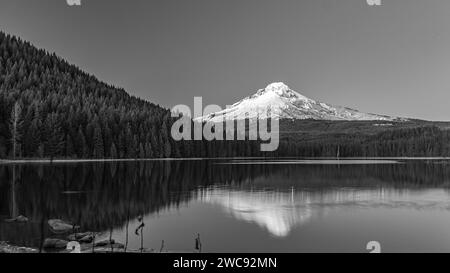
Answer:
(285, 103)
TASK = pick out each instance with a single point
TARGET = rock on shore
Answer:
(18, 219)
(50, 243)
(6, 248)
(59, 226)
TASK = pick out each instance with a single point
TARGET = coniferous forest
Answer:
(51, 109)
(60, 111)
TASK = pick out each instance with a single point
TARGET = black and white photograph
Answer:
(160, 128)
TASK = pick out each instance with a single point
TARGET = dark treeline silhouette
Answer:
(51, 109)
(423, 140)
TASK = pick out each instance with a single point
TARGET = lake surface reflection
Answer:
(240, 205)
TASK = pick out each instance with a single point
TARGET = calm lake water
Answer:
(242, 205)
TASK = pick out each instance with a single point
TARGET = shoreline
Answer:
(62, 161)
(27, 161)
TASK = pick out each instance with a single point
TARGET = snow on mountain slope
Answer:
(285, 103)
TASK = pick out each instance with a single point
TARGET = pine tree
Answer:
(16, 128)
(141, 151)
(54, 138)
(32, 137)
(81, 144)
(99, 151)
(113, 152)
(154, 146)
(164, 139)
(69, 147)
(148, 150)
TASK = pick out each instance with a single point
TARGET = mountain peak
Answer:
(285, 103)
(277, 87)
(282, 90)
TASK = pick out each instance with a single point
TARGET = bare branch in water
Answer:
(162, 246)
(198, 244)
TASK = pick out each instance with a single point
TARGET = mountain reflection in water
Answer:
(279, 212)
(275, 198)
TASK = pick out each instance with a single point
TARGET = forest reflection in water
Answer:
(261, 203)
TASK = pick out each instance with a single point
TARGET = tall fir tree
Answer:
(113, 152)
(16, 128)
(99, 151)
(54, 138)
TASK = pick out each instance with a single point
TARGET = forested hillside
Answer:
(51, 109)
(64, 112)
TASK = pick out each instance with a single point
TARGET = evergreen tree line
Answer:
(422, 141)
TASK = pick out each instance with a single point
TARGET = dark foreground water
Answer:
(237, 205)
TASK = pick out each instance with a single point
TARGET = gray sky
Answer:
(393, 59)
